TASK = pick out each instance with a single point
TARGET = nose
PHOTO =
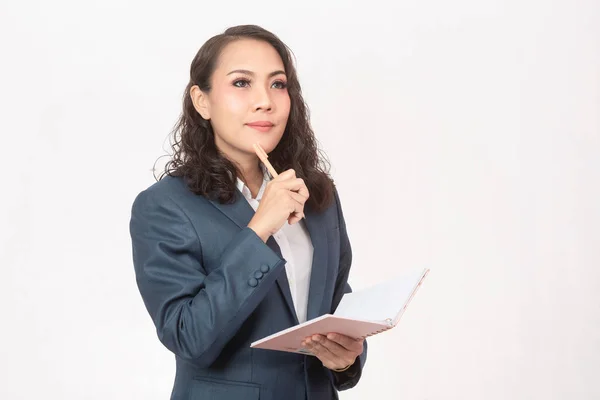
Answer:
(262, 100)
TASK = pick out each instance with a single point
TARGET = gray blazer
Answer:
(212, 287)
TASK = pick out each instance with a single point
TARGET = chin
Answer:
(267, 143)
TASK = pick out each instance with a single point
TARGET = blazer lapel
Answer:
(318, 278)
(239, 212)
(282, 281)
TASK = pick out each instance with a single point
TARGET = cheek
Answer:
(285, 103)
(231, 102)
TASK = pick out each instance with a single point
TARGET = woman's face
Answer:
(248, 102)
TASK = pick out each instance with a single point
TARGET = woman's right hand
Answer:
(283, 200)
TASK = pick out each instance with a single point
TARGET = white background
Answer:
(464, 136)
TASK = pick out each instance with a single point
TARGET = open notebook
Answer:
(360, 314)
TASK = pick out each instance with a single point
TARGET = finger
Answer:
(296, 185)
(336, 349)
(302, 189)
(295, 205)
(326, 357)
(298, 212)
(329, 359)
(346, 341)
(308, 345)
(340, 355)
(295, 217)
(285, 175)
(298, 198)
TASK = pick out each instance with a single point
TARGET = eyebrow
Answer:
(247, 72)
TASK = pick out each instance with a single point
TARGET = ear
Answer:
(200, 101)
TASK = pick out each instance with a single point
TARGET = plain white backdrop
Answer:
(464, 136)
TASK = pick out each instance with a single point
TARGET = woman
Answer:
(223, 254)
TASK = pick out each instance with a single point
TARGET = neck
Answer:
(251, 174)
(248, 166)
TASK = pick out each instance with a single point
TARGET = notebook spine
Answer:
(390, 326)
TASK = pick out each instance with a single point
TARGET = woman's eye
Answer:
(279, 85)
(241, 83)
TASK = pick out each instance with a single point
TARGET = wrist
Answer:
(259, 232)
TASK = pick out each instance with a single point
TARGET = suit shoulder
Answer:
(168, 189)
(168, 184)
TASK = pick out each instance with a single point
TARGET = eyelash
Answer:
(283, 84)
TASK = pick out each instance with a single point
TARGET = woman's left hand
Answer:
(334, 350)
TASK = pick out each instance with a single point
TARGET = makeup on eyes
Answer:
(248, 81)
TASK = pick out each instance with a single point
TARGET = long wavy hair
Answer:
(206, 170)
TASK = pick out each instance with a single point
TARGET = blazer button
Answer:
(253, 282)
(258, 274)
(264, 268)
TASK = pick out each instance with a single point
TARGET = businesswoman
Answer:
(226, 254)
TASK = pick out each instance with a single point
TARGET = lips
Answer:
(260, 124)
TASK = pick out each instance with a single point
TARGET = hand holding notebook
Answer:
(360, 314)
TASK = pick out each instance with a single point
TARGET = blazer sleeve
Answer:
(195, 313)
(346, 379)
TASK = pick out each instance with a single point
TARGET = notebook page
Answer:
(382, 301)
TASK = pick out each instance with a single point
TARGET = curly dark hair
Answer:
(206, 170)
